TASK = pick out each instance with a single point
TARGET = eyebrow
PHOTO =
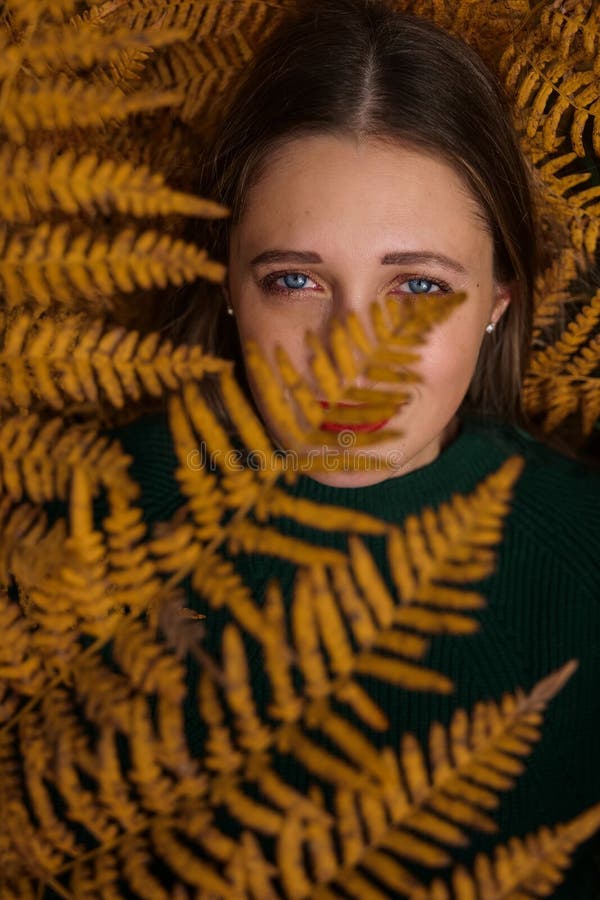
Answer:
(405, 257)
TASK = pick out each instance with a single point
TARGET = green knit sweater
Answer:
(543, 609)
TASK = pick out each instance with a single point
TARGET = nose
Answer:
(357, 337)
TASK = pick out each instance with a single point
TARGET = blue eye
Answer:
(288, 282)
(423, 284)
(295, 280)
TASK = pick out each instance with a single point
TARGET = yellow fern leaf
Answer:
(251, 734)
(454, 543)
(51, 265)
(28, 12)
(221, 754)
(546, 68)
(65, 103)
(21, 671)
(39, 181)
(523, 869)
(552, 359)
(286, 706)
(136, 858)
(187, 864)
(577, 211)
(371, 582)
(551, 291)
(80, 48)
(243, 535)
(323, 764)
(324, 516)
(259, 871)
(411, 822)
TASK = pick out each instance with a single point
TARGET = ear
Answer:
(502, 299)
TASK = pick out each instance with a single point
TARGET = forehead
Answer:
(345, 191)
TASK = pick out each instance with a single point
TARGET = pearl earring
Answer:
(230, 311)
(489, 328)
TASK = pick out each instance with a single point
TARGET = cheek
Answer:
(268, 332)
(449, 357)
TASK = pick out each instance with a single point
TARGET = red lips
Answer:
(359, 426)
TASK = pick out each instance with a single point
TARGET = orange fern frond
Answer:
(38, 457)
(524, 869)
(451, 545)
(415, 812)
(411, 813)
(80, 48)
(64, 103)
(73, 359)
(560, 396)
(559, 356)
(548, 76)
(562, 379)
(202, 21)
(29, 12)
(578, 211)
(199, 71)
(552, 293)
(38, 182)
(21, 526)
(54, 265)
(21, 669)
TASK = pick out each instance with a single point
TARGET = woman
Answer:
(369, 153)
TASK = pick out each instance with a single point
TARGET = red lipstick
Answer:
(359, 426)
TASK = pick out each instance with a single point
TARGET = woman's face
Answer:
(335, 223)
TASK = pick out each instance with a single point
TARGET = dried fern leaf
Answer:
(185, 864)
(201, 20)
(64, 103)
(358, 603)
(243, 536)
(34, 456)
(277, 502)
(252, 735)
(199, 72)
(546, 69)
(21, 668)
(576, 210)
(477, 753)
(68, 48)
(562, 378)
(216, 580)
(425, 806)
(552, 291)
(559, 396)
(52, 265)
(558, 356)
(40, 181)
(74, 359)
(453, 544)
(286, 705)
(523, 869)
(136, 860)
(29, 12)
(221, 754)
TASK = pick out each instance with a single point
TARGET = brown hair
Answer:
(359, 67)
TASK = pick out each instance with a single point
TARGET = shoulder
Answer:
(556, 499)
